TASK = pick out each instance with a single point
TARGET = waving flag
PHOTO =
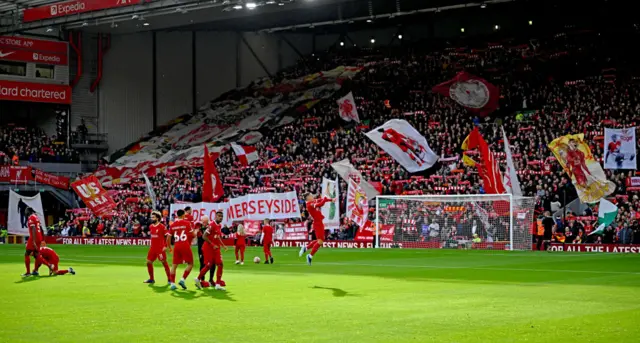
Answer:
(152, 194)
(405, 144)
(575, 157)
(245, 153)
(94, 196)
(620, 148)
(347, 108)
(511, 177)
(607, 213)
(212, 186)
(357, 204)
(475, 93)
(488, 166)
(348, 172)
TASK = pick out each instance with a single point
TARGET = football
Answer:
(256, 259)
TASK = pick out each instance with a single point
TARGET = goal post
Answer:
(478, 221)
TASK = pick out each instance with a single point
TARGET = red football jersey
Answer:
(34, 221)
(614, 146)
(48, 254)
(182, 232)
(158, 236)
(215, 234)
(267, 232)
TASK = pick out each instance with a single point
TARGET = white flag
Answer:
(511, 182)
(347, 108)
(347, 171)
(620, 148)
(152, 194)
(357, 204)
(17, 219)
(405, 144)
(331, 210)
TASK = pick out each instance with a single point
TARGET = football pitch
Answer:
(345, 296)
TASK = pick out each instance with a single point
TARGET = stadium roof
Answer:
(228, 14)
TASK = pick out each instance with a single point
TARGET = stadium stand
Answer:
(569, 82)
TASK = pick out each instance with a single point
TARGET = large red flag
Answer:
(212, 186)
(475, 93)
(488, 168)
(94, 196)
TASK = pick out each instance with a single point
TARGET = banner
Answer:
(368, 233)
(94, 196)
(405, 144)
(293, 231)
(599, 248)
(35, 92)
(32, 57)
(511, 182)
(152, 194)
(331, 210)
(347, 108)
(348, 172)
(620, 148)
(56, 181)
(248, 207)
(17, 219)
(68, 8)
(632, 181)
(575, 157)
(97, 241)
(251, 227)
(357, 205)
(34, 44)
(20, 175)
(488, 169)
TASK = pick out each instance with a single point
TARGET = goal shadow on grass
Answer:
(336, 292)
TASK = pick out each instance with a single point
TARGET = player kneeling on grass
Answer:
(211, 252)
(314, 207)
(158, 246)
(49, 258)
(183, 233)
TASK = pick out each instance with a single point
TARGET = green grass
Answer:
(346, 296)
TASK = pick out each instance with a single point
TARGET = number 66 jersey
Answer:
(182, 232)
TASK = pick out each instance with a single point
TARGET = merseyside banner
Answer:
(17, 219)
(357, 205)
(620, 148)
(575, 157)
(94, 196)
(331, 210)
(405, 144)
(248, 207)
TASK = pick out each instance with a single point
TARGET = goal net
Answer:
(497, 221)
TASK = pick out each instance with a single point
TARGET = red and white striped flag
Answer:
(246, 154)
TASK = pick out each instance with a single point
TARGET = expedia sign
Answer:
(66, 8)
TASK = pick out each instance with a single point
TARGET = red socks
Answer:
(172, 278)
(237, 254)
(241, 254)
(27, 263)
(166, 269)
(316, 246)
(186, 273)
(62, 272)
(150, 270)
(204, 271)
(219, 273)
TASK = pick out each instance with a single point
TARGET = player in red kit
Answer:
(49, 258)
(33, 243)
(314, 207)
(158, 249)
(267, 241)
(211, 252)
(240, 244)
(182, 232)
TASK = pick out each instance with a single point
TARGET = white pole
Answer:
(510, 221)
(377, 222)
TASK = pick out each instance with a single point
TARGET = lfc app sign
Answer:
(66, 8)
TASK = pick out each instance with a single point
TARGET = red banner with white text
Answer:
(35, 92)
(94, 196)
(33, 50)
(251, 227)
(293, 231)
(368, 232)
(67, 8)
(56, 181)
(596, 248)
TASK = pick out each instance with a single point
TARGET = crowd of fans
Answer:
(18, 143)
(550, 86)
